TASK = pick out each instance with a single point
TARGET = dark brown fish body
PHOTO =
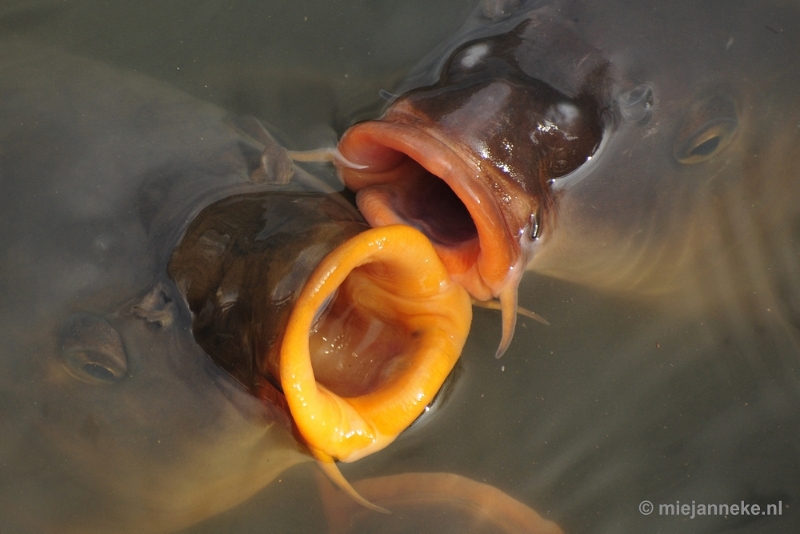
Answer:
(592, 143)
(242, 264)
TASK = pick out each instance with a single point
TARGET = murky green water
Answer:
(617, 402)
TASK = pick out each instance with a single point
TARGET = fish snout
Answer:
(470, 160)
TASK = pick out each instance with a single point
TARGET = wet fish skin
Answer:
(695, 158)
(242, 264)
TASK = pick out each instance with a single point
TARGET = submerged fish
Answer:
(113, 418)
(434, 502)
(586, 141)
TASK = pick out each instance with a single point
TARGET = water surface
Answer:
(617, 402)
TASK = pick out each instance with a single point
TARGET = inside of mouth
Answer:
(437, 210)
(357, 345)
(415, 196)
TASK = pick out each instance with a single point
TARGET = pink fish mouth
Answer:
(413, 177)
(471, 159)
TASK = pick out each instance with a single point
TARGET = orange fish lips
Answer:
(373, 335)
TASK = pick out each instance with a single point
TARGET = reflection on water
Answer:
(617, 402)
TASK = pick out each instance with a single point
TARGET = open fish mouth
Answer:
(350, 330)
(471, 159)
(413, 176)
(484, 231)
(391, 329)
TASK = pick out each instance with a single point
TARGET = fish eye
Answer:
(710, 130)
(706, 141)
(92, 350)
(93, 367)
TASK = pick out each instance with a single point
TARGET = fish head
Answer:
(700, 142)
(109, 403)
(472, 157)
(113, 418)
(350, 330)
(594, 143)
